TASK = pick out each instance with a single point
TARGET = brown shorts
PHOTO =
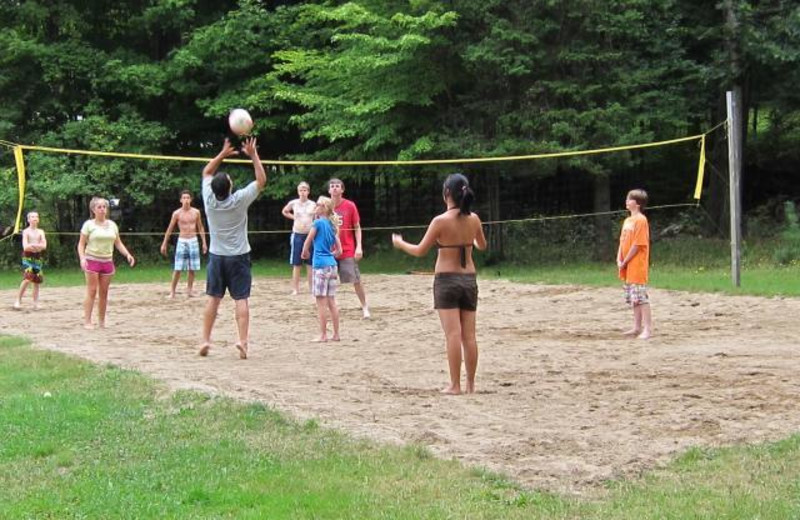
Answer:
(348, 271)
(455, 291)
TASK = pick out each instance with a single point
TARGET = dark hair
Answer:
(221, 185)
(640, 196)
(186, 192)
(457, 187)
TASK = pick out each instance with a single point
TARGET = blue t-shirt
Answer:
(324, 240)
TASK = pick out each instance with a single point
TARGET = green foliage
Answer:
(789, 252)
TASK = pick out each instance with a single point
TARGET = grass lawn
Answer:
(87, 441)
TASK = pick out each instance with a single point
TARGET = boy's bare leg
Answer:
(296, 279)
(323, 318)
(362, 298)
(451, 325)
(647, 321)
(209, 317)
(334, 317)
(310, 275)
(243, 326)
(470, 346)
(36, 296)
(190, 284)
(92, 282)
(22, 287)
(176, 277)
(637, 322)
(102, 301)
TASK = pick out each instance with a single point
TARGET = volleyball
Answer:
(240, 121)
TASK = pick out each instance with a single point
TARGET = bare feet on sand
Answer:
(644, 335)
(242, 348)
(451, 390)
(204, 348)
(632, 332)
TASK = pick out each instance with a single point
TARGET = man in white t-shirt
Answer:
(229, 252)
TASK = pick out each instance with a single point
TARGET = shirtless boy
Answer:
(187, 252)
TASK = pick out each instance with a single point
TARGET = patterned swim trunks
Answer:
(187, 255)
(32, 267)
(636, 294)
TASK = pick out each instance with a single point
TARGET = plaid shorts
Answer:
(636, 294)
(187, 255)
(325, 281)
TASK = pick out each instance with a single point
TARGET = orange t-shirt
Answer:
(635, 232)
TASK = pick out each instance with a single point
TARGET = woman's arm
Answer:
(124, 250)
(424, 245)
(480, 238)
(82, 250)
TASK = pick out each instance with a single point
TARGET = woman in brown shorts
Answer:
(455, 290)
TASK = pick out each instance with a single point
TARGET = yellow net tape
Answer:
(20, 160)
(466, 160)
(701, 168)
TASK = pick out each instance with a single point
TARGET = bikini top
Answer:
(463, 251)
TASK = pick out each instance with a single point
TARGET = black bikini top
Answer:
(463, 251)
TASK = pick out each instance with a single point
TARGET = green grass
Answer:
(86, 441)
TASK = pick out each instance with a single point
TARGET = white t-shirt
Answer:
(227, 219)
(303, 215)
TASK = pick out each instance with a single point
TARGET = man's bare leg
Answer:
(190, 284)
(209, 317)
(176, 277)
(243, 326)
(296, 279)
(362, 298)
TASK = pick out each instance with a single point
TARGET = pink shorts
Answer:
(100, 267)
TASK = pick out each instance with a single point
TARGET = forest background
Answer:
(400, 80)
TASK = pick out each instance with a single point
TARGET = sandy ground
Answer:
(564, 402)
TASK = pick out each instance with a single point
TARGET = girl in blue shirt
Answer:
(324, 235)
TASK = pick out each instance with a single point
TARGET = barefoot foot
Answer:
(322, 339)
(644, 335)
(451, 390)
(632, 332)
(204, 348)
(88, 326)
(242, 348)
(17, 305)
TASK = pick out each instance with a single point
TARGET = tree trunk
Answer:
(603, 249)
(495, 238)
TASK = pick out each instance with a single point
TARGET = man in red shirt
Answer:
(350, 236)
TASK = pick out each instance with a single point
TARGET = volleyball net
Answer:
(574, 195)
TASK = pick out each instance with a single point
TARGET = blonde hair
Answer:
(303, 184)
(327, 205)
(93, 204)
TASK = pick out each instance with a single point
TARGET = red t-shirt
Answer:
(347, 213)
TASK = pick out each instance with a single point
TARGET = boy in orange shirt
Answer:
(633, 260)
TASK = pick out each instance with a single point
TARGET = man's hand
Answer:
(164, 249)
(250, 148)
(359, 254)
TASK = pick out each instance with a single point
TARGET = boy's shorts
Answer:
(636, 294)
(296, 241)
(231, 273)
(187, 255)
(325, 281)
(348, 271)
(32, 267)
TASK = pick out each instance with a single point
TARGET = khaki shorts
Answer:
(348, 271)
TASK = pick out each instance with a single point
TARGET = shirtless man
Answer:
(187, 252)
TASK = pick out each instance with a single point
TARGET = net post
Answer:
(734, 106)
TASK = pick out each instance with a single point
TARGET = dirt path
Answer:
(563, 401)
